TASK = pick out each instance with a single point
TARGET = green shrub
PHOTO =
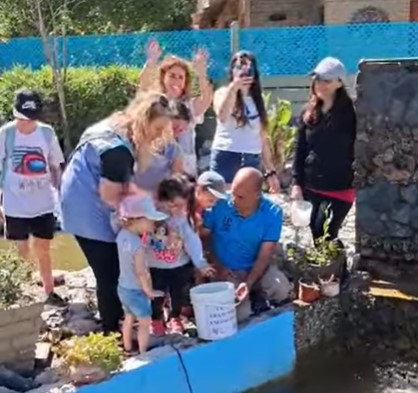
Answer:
(91, 93)
(15, 273)
(95, 350)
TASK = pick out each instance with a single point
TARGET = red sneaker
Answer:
(175, 326)
(157, 328)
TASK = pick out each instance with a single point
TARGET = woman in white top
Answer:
(174, 78)
(240, 137)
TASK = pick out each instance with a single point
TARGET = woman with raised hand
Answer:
(174, 78)
(241, 131)
(99, 175)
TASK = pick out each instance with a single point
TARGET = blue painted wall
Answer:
(257, 354)
(280, 51)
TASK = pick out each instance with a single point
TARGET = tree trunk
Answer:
(51, 53)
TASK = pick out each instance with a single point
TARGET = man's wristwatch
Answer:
(268, 174)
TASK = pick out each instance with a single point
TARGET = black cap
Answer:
(27, 105)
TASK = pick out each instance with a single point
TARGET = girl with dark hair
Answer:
(323, 164)
(174, 251)
(240, 137)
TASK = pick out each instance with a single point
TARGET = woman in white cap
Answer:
(323, 164)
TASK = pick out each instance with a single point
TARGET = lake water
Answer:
(349, 375)
(66, 254)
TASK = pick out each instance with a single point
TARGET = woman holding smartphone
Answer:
(240, 138)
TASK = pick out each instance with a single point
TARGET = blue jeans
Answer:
(228, 163)
(135, 302)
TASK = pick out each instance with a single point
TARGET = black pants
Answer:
(104, 261)
(323, 205)
(177, 283)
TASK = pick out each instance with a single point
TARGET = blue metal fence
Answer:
(280, 51)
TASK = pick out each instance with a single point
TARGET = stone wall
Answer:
(19, 331)
(360, 319)
(387, 164)
(342, 11)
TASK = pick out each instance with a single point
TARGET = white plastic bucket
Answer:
(214, 309)
(300, 213)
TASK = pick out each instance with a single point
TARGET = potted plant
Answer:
(91, 358)
(281, 136)
(307, 287)
(309, 290)
(325, 258)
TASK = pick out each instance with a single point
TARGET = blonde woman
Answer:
(174, 78)
(98, 176)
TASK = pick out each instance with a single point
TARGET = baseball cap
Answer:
(214, 183)
(138, 206)
(330, 69)
(27, 105)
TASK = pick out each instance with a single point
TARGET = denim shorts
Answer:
(135, 302)
(228, 163)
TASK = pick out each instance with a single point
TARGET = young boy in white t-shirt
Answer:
(31, 159)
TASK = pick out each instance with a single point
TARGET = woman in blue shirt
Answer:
(99, 175)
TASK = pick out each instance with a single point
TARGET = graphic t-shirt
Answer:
(173, 244)
(27, 188)
(229, 136)
(129, 245)
(236, 240)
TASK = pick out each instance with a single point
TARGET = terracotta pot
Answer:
(308, 292)
(86, 374)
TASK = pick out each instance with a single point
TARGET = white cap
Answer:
(136, 206)
(330, 69)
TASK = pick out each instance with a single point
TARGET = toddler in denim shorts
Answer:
(137, 215)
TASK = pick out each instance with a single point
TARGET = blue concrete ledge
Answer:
(257, 354)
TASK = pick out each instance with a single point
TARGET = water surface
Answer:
(350, 374)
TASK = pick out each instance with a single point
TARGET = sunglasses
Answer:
(161, 105)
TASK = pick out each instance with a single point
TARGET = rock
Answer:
(410, 194)
(49, 388)
(81, 279)
(81, 327)
(64, 389)
(42, 354)
(79, 311)
(47, 377)
(53, 318)
(11, 380)
(401, 214)
(5, 390)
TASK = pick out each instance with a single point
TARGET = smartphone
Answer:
(250, 71)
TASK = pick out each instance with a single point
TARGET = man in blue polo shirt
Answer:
(243, 231)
